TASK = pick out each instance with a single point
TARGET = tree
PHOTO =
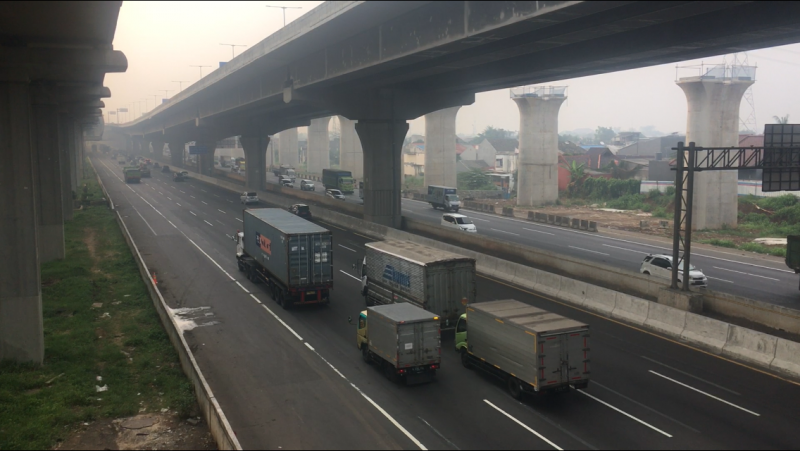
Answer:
(604, 135)
(568, 137)
(577, 174)
(495, 133)
(781, 120)
(474, 180)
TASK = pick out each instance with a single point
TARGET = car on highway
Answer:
(660, 266)
(165, 169)
(301, 210)
(334, 194)
(287, 182)
(177, 177)
(307, 185)
(185, 175)
(121, 161)
(458, 221)
(249, 197)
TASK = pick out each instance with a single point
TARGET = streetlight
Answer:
(234, 45)
(284, 8)
(165, 91)
(201, 69)
(180, 84)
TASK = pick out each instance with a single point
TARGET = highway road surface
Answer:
(729, 271)
(294, 378)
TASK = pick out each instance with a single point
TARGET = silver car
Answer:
(660, 265)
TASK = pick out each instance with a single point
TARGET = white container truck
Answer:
(404, 340)
(438, 281)
(530, 349)
(443, 197)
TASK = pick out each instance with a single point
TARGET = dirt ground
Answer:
(145, 432)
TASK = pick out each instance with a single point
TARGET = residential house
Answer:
(506, 155)
(650, 147)
(598, 157)
(626, 138)
(565, 161)
(414, 162)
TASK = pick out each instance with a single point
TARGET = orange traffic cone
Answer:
(155, 280)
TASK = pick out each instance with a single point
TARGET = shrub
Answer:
(660, 212)
(670, 191)
(756, 218)
(653, 193)
(721, 243)
(777, 203)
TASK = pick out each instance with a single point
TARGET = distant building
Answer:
(414, 164)
(650, 147)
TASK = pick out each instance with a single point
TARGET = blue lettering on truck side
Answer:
(393, 275)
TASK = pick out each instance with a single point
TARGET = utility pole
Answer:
(284, 8)
(155, 101)
(180, 84)
(201, 69)
(234, 45)
(165, 91)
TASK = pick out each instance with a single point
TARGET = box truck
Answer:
(292, 256)
(336, 179)
(438, 281)
(404, 340)
(530, 349)
(443, 197)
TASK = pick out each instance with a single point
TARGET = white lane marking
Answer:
(178, 204)
(351, 250)
(212, 225)
(625, 249)
(746, 273)
(169, 198)
(239, 220)
(192, 196)
(190, 211)
(170, 223)
(721, 280)
(704, 393)
(203, 202)
(220, 221)
(309, 346)
(215, 195)
(230, 201)
(255, 298)
(242, 287)
(220, 211)
(374, 404)
(692, 376)
(282, 323)
(201, 189)
(184, 192)
(152, 188)
(587, 250)
(624, 413)
(595, 235)
(503, 231)
(145, 220)
(452, 445)
(160, 193)
(347, 274)
(538, 231)
(523, 425)
(406, 209)
(479, 219)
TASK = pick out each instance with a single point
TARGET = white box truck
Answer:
(530, 349)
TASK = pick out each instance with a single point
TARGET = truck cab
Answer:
(361, 330)
(461, 333)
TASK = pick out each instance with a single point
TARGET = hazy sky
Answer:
(163, 39)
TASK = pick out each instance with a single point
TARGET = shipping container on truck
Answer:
(132, 174)
(530, 349)
(403, 339)
(341, 180)
(401, 271)
(292, 256)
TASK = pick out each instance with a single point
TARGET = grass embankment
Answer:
(121, 341)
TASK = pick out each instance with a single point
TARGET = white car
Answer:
(660, 265)
(458, 221)
(249, 197)
(334, 194)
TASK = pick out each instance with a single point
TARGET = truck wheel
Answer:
(365, 354)
(465, 359)
(514, 388)
(389, 372)
(283, 301)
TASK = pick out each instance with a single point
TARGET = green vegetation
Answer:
(414, 183)
(475, 180)
(122, 341)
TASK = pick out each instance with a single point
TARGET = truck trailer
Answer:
(292, 256)
(443, 197)
(132, 174)
(404, 340)
(530, 349)
(286, 170)
(438, 281)
(341, 180)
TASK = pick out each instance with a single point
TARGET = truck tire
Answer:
(365, 354)
(514, 388)
(389, 372)
(286, 304)
(465, 359)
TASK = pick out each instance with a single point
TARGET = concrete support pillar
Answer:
(176, 149)
(713, 121)
(287, 153)
(77, 153)
(383, 171)
(158, 147)
(538, 149)
(319, 145)
(130, 146)
(64, 148)
(47, 175)
(351, 155)
(255, 154)
(21, 331)
(205, 161)
(440, 147)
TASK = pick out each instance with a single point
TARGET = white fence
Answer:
(746, 187)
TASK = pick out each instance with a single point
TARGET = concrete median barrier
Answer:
(527, 277)
(631, 309)
(787, 357)
(666, 319)
(750, 346)
(506, 270)
(486, 265)
(600, 299)
(548, 283)
(708, 332)
(573, 291)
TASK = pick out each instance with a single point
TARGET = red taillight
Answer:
(401, 371)
(433, 367)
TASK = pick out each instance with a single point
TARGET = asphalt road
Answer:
(295, 379)
(729, 271)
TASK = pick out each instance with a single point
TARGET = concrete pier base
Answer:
(47, 160)
(255, 153)
(319, 149)
(176, 149)
(287, 151)
(351, 154)
(440, 147)
(383, 172)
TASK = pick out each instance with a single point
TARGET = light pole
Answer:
(155, 101)
(234, 45)
(180, 84)
(201, 69)
(165, 91)
(284, 8)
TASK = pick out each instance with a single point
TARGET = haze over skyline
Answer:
(161, 52)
